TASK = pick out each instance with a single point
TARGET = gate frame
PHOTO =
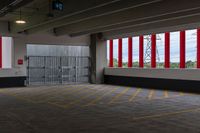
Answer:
(60, 67)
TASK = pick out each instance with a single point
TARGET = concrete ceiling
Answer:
(114, 18)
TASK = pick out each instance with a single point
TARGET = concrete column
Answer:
(98, 53)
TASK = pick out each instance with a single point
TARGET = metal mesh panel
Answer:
(48, 70)
(35, 69)
(68, 69)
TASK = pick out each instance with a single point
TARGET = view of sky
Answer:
(174, 47)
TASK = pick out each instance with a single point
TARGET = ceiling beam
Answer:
(71, 10)
(152, 20)
(99, 11)
(10, 5)
(184, 23)
(134, 14)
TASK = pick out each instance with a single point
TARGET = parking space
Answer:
(97, 108)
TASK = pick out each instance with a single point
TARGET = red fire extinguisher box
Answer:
(20, 62)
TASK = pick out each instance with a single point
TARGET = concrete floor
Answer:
(89, 108)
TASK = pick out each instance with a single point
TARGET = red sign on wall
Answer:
(20, 62)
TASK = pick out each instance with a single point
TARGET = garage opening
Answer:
(53, 64)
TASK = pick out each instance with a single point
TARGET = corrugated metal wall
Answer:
(49, 64)
(57, 50)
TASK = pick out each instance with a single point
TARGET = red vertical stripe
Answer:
(167, 50)
(153, 51)
(130, 52)
(111, 53)
(1, 52)
(141, 52)
(182, 49)
(198, 48)
(120, 53)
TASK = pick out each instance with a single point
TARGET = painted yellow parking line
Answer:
(2, 90)
(166, 114)
(49, 96)
(55, 90)
(181, 93)
(134, 95)
(93, 102)
(78, 90)
(166, 94)
(44, 97)
(57, 105)
(37, 93)
(63, 94)
(75, 89)
(82, 98)
(19, 98)
(118, 96)
(40, 90)
(151, 94)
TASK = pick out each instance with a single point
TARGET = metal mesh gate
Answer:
(50, 70)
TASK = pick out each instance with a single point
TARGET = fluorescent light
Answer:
(20, 21)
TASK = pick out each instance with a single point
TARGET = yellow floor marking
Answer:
(50, 95)
(166, 94)
(37, 93)
(80, 99)
(31, 101)
(1, 90)
(166, 114)
(181, 94)
(19, 98)
(54, 96)
(93, 102)
(55, 90)
(74, 90)
(25, 98)
(57, 105)
(38, 90)
(78, 90)
(151, 94)
(135, 94)
(118, 96)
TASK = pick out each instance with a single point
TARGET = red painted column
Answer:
(198, 48)
(111, 53)
(167, 50)
(1, 52)
(141, 51)
(153, 51)
(182, 49)
(120, 52)
(130, 52)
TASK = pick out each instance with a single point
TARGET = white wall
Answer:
(7, 45)
(183, 74)
(20, 42)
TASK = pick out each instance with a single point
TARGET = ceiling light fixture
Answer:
(20, 21)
